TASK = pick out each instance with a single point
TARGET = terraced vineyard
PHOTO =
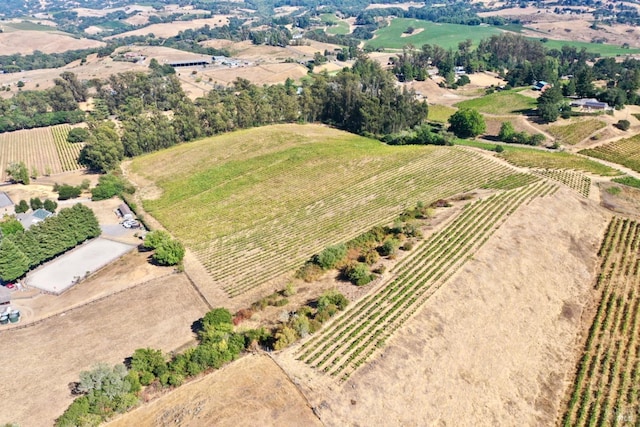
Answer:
(607, 385)
(253, 206)
(40, 148)
(624, 151)
(355, 336)
(575, 180)
(573, 133)
(67, 151)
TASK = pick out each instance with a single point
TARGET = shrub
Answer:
(623, 125)
(284, 337)
(498, 148)
(36, 203)
(370, 256)
(390, 247)
(309, 272)
(408, 245)
(155, 238)
(108, 186)
(358, 274)
(332, 297)
(169, 253)
(22, 207)
(50, 205)
(331, 256)
(217, 316)
(289, 290)
(66, 192)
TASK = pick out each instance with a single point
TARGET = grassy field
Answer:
(336, 26)
(599, 48)
(440, 113)
(445, 35)
(255, 204)
(576, 131)
(500, 103)
(624, 151)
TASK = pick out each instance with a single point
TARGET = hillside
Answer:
(255, 204)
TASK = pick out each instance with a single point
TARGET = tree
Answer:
(549, 104)
(50, 205)
(78, 135)
(10, 226)
(102, 378)
(66, 192)
(506, 132)
(358, 274)
(217, 316)
(104, 149)
(36, 203)
(155, 238)
(328, 258)
(13, 262)
(169, 253)
(148, 360)
(18, 173)
(22, 207)
(467, 123)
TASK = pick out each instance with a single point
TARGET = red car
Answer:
(10, 286)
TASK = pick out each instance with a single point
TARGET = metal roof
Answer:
(5, 200)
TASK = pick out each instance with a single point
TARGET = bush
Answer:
(309, 272)
(66, 192)
(498, 148)
(108, 186)
(169, 253)
(358, 274)
(217, 316)
(332, 297)
(623, 125)
(22, 207)
(390, 247)
(155, 238)
(331, 256)
(36, 203)
(50, 205)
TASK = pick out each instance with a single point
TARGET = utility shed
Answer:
(125, 212)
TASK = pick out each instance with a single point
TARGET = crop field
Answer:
(440, 113)
(600, 48)
(624, 151)
(539, 159)
(336, 26)
(576, 131)
(45, 149)
(256, 204)
(445, 35)
(362, 329)
(575, 180)
(500, 103)
(607, 384)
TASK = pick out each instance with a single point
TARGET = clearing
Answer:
(500, 103)
(51, 41)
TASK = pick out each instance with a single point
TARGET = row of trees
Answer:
(363, 100)
(22, 251)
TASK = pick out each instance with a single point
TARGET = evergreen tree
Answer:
(13, 263)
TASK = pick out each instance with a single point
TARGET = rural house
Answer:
(541, 86)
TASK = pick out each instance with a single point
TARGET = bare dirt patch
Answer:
(403, 6)
(171, 29)
(580, 30)
(49, 355)
(625, 200)
(250, 391)
(26, 42)
(415, 32)
(495, 344)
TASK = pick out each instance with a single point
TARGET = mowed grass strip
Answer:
(444, 35)
(506, 102)
(576, 131)
(254, 204)
(625, 152)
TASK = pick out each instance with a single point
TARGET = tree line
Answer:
(155, 113)
(26, 249)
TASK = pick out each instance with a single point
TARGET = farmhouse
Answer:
(541, 86)
(39, 215)
(591, 104)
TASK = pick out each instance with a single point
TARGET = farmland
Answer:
(44, 149)
(440, 113)
(573, 179)
(364, 328)
(624, 151)
(599, 48)
(539, 159)
(500, 103)
(606, 390)
(335, 25)
(255, 204)
(576, 131)
(445, 35)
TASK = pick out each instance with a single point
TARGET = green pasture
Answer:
(500, 103)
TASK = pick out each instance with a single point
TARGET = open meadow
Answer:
(444, 35)
(500, 103)
(255, 204)
(43, 150)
